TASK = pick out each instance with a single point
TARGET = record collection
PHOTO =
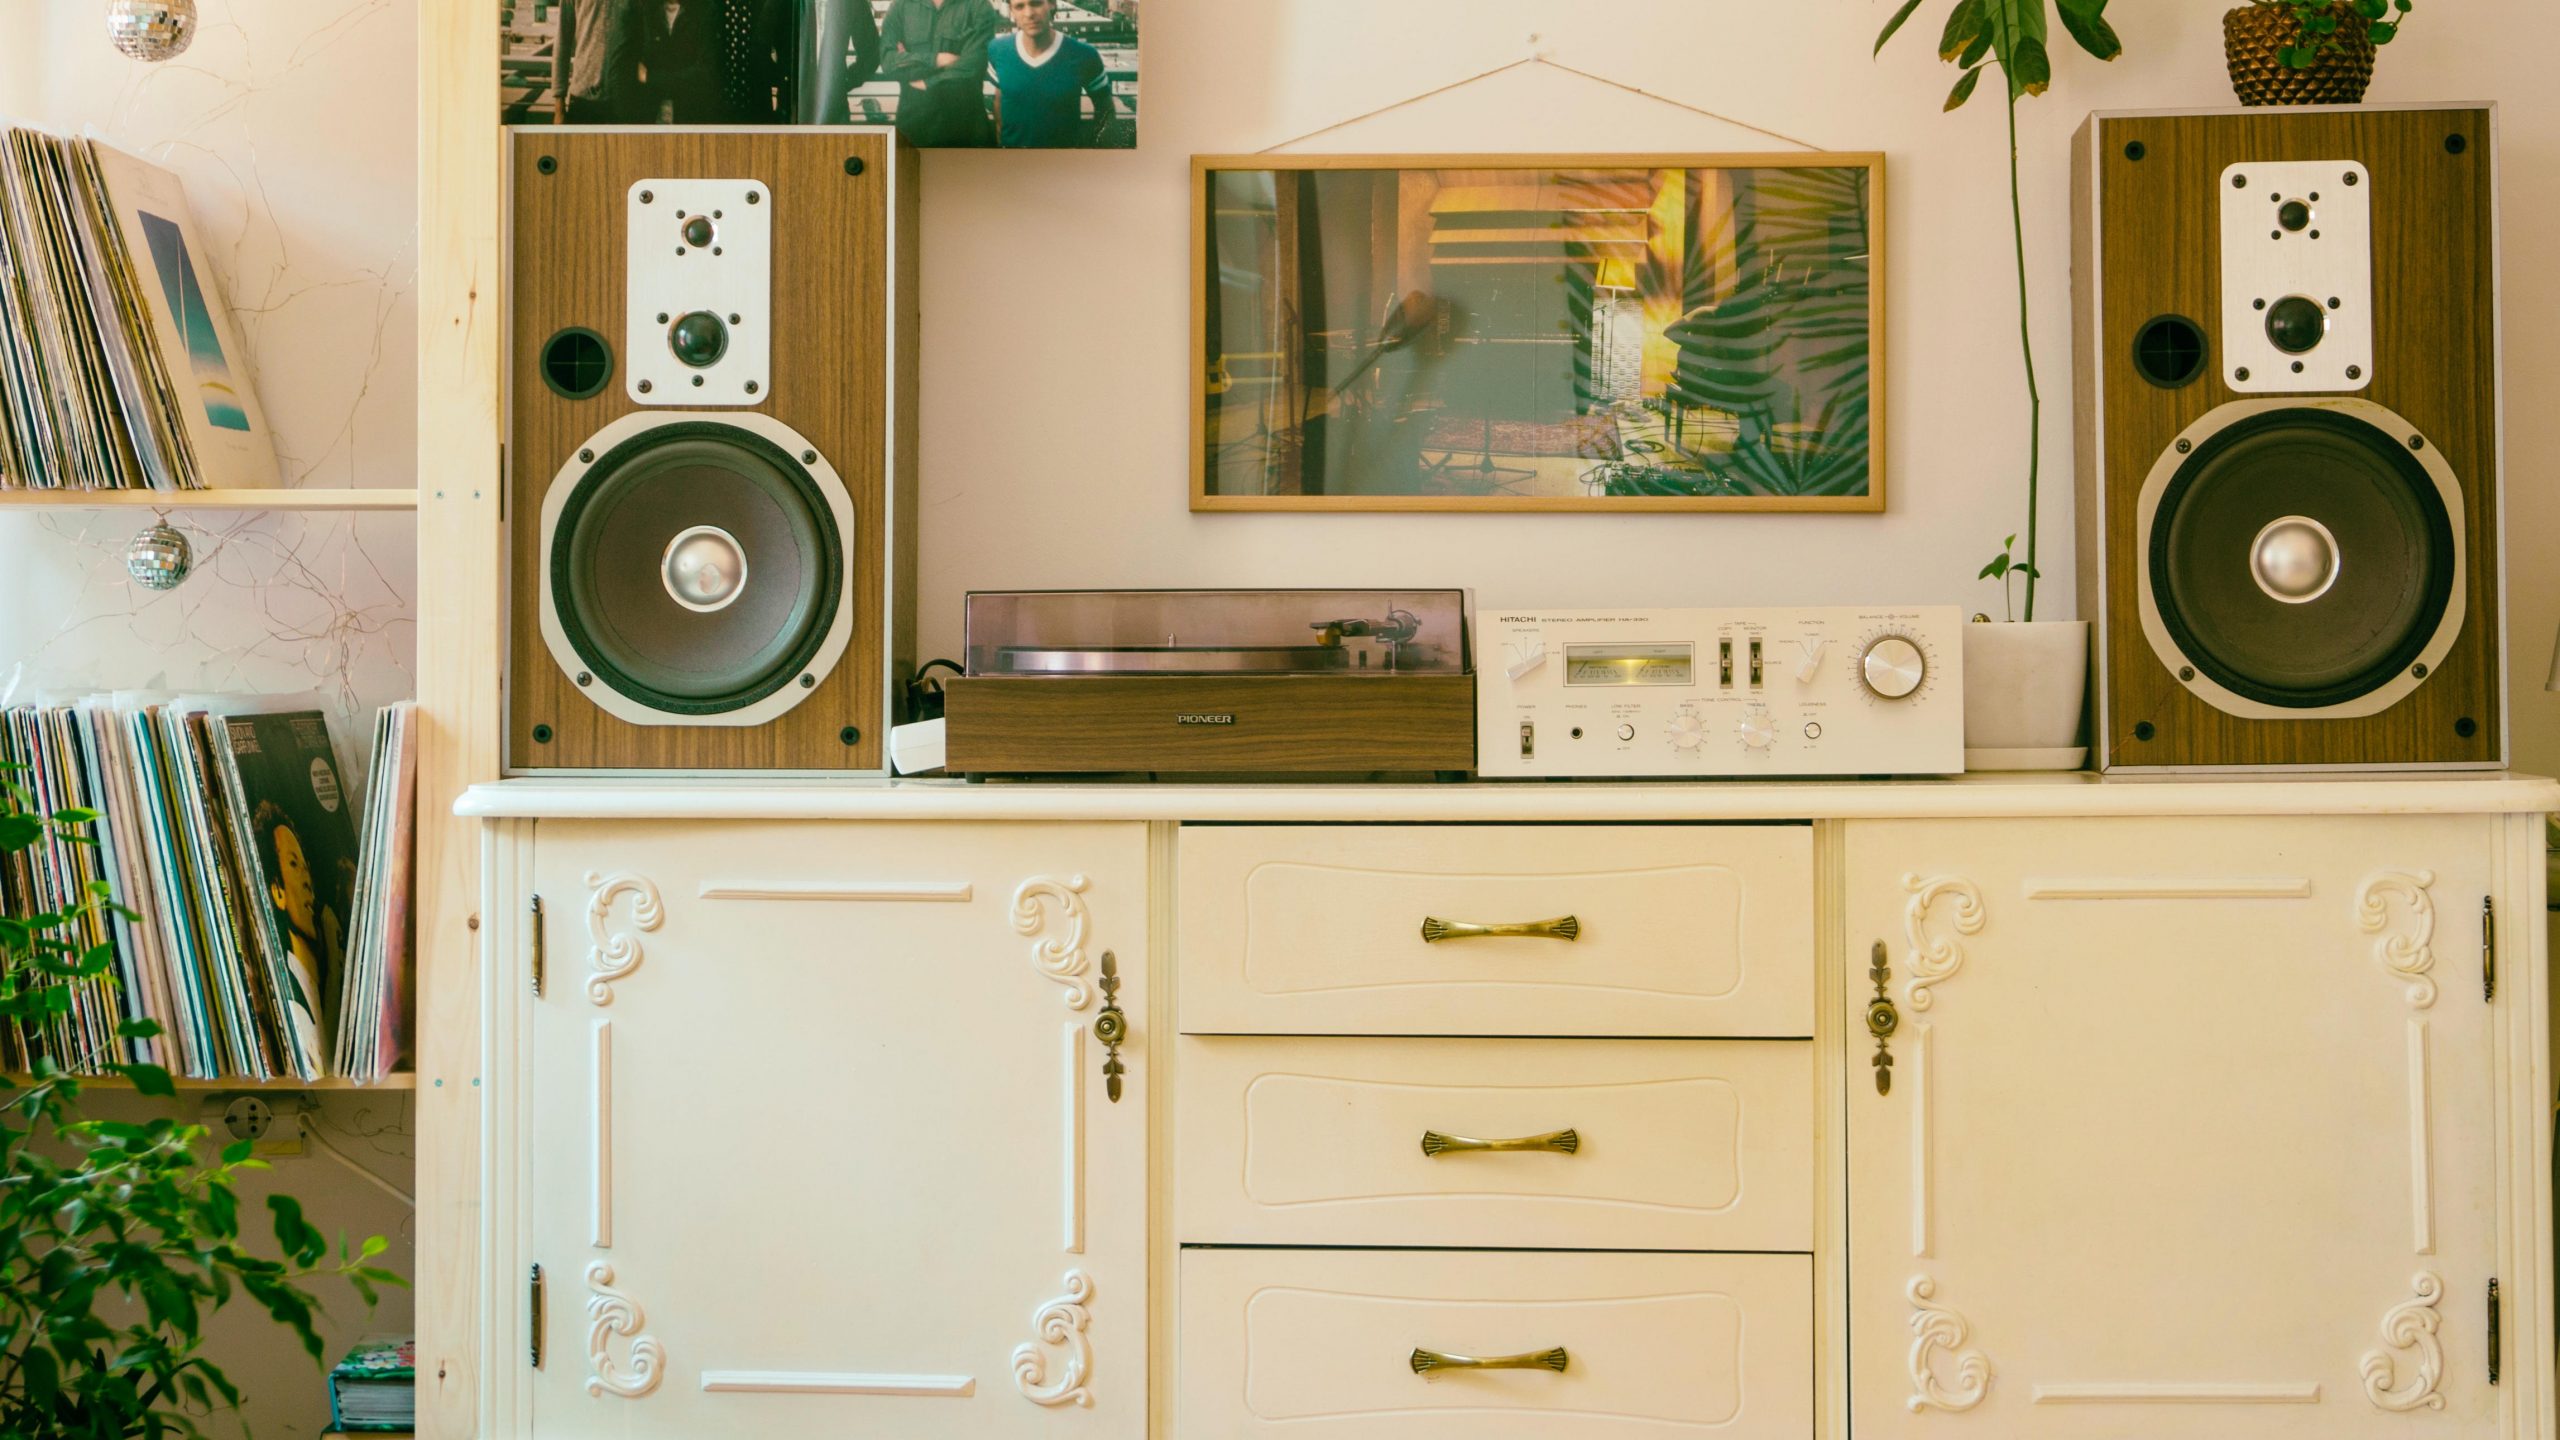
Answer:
(229, 841)
(120, 368)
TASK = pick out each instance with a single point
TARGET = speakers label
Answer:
(1227, 718)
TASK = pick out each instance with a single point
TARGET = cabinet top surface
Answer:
(1983, 796)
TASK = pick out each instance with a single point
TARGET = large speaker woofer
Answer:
(2301, 558)
(695, 568)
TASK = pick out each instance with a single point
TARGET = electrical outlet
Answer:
(270, 1122)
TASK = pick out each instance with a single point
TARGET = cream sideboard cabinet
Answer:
(804, 1129)
(2048, 1107)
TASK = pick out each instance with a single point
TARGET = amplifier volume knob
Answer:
(1893, 667)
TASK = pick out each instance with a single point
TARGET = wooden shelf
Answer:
(397, 1080)
(157, 500)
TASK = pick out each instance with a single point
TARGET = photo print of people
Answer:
(1021, 74)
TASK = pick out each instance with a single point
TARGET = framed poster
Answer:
(1015, 74)
(1547, 332)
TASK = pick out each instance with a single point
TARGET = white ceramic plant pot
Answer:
(2024, 684)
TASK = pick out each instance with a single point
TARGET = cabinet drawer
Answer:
(1674, 1144)
(1676, 930)
(1320, 1345)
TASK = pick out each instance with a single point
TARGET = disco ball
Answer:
(159, 557)
(151, 30)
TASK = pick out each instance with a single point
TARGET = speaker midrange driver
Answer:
(697, 568)
(2300, 558)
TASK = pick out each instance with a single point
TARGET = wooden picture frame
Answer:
(1538, 332)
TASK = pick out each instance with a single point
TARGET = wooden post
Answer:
(461, 316)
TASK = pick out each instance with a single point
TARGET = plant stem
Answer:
(2027, 348)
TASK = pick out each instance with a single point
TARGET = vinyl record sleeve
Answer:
(200, 349)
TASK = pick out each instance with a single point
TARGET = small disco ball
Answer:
(151, 30)
(159, 557)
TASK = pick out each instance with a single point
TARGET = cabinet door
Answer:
(2189, 1129)
(813, 1133)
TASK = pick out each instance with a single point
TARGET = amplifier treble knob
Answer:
(1893, 668)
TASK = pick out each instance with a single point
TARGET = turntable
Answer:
(1213, 682)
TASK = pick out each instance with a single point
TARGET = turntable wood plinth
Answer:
(1210, 724)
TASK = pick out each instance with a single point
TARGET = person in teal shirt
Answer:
(1043, 79)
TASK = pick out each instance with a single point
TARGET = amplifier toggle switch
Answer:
(1810, 647)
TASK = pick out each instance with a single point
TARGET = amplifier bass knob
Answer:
(1687, 731)
(1893, 668)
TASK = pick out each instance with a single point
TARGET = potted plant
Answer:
(2025, 678)
(117, 1239)
(2307, 52)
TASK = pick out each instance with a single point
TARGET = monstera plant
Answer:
(118, 1238)
(2023, 683)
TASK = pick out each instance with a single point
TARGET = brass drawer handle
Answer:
(1561, 1142)
(1426, 1361)
(1563, 927)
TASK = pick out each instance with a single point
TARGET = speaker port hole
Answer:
(2169, 351)
(577, 363)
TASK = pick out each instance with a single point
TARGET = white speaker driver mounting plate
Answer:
(2297, 277)
(698, 292)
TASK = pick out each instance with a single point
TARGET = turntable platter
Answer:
(1174, 660)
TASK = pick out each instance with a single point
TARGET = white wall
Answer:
(1056, 296)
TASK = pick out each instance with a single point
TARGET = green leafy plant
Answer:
(2010, 35)
(2005, 569)
(118, 1238)
(2321, 20)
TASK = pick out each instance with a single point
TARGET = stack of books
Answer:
(376, 1387)
(230, 836)
(119, 365)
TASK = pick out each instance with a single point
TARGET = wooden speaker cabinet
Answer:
(2286, 323)
(711, 459)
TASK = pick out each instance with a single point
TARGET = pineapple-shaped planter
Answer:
(2255, 37)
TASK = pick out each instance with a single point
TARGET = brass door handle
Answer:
(1563, 927)
(1561, 1142)
(1111, 1027)
(1426, 1361)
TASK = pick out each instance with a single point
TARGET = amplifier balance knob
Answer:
(1893, 667)
(1756, 729)
(1687, 730)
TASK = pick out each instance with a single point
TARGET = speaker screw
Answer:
(2355, 372)
(2315, 234)
(2242, 373)
(808, 682)
(2134, 150)
(2466, 727)
(541, 734)
(2455, 144)
(2186, 445)
(2417, 442)
(2333, 302)
(753, 197)
(2144, 730)
(547, 165)
(2186, 672)
(585, 679)
(647, 197)
(2351, 177)
(733, 320)
(646, 387)
(697, 382)
(2257, 304)
(2418, 672)
(717, 250)
(2297, 367)
(850, 735)
(662, 317)
(586, 457)
(751, 387)
(2239, 182)
(808, 457)
(853, 164)
(679, 249)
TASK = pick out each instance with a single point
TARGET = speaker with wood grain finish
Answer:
(2286, 323)
(711, 449)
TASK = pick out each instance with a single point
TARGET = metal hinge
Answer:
(2488, 948)
(536, 911)
(533, 1310)
(502, 485)
(2493, 1330)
